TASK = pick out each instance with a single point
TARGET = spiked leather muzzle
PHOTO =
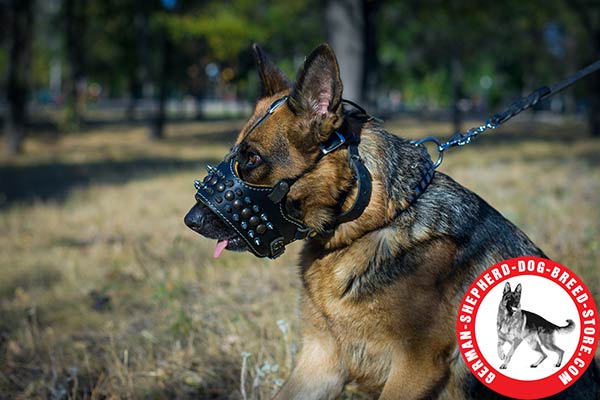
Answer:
(256, 213)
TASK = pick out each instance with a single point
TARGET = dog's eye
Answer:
(254, 160)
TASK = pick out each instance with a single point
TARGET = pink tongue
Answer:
(221, 244)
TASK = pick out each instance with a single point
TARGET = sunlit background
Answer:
(73, 63)
(110, 108)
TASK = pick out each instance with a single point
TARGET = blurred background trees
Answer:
(66, 64)
(20, 21)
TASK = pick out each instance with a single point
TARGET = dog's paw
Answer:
(533, 365)
(503, 366)
(557, 364)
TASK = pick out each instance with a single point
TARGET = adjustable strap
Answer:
(363, 195)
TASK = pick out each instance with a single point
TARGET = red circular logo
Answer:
(527, 327)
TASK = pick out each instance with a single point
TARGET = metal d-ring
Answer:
(439, 148)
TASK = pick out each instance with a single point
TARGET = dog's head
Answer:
(511, 300)
(281, 142)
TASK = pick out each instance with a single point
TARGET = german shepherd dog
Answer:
(515, 325)
(380, 293)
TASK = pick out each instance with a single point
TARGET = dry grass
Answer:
(104, 293)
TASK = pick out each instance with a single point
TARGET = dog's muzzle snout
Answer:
(256, 213)
(195, 220)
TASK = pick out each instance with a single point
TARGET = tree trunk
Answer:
(345, 21)
(370, 61)
(456, 77)
(75, 24)
(594, 91)
(593, 30)
(594, 112)
(138, 78)
(134, 95)
(590, 20)
(157, 127)
(18, 73)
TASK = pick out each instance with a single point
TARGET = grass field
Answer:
(104, 293)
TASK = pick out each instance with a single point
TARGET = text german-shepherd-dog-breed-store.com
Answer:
(390, 246)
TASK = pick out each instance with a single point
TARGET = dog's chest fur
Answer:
(369, 330)
(361, 339)
(510, 325)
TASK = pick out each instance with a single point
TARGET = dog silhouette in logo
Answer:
(515, 325)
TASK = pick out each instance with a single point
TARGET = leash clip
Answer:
(439, 148)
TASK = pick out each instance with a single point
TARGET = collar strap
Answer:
(427, 173)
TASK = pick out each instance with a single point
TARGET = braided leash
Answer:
(461, 139)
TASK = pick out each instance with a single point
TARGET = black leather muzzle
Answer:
(256, 213)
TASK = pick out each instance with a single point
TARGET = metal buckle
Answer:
(336, 143)
(277, 247)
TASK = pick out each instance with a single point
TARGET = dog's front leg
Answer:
(501, 342)
(318, 374)
(513, 347)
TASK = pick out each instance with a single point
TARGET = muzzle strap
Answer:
(364, 188)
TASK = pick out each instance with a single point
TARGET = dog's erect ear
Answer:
(506, 288)
(317, 93)
(518, 292)
(272, 79)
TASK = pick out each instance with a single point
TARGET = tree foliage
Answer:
(222, 32)
(432, 52)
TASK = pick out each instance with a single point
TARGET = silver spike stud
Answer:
(197, 184)
(211, 169)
